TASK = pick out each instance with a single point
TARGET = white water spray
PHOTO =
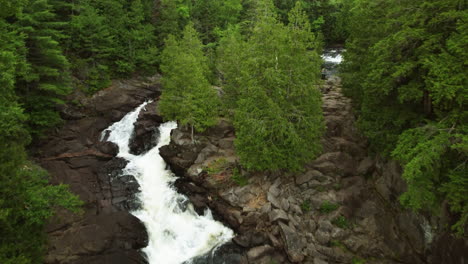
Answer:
(333, 56)
(176, 232)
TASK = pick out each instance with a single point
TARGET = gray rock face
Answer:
(293, 243)
(278, 215)
(365, 166)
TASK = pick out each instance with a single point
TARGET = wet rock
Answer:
(146, 133)
(228, 253)
(108, 148)
(180, 157)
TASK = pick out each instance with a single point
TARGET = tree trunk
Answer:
(427, 103)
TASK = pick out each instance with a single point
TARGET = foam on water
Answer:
(176, 232)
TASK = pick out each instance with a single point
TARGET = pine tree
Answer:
(46, 79)
(405, 68)
(187, 96)
(277, 110)
(26, 198)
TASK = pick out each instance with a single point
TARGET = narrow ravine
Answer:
(176, 232)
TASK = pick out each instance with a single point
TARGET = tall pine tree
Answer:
(277, 109)
(187, 96)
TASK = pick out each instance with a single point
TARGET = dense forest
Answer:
(405, 69)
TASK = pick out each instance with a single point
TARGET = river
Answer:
(176, 232)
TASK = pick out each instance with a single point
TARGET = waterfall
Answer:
(332, 56)
(176, 232)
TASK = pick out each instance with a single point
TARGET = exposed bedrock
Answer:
(342, 209)
(74, 155)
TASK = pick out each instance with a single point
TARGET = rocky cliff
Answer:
(74, 155)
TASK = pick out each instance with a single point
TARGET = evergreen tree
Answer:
(45, 79)
(187, 96)
(26, 198)
(278, 116)
(405, 68)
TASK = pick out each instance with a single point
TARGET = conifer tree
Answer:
(405, 68)
(45, 80)
(277, 110)
(187, 96)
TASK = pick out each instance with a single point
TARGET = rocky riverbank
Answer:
(74, 155)
(342, 209)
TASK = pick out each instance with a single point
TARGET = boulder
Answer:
(146, 132)
(293, 243)
(256, 253)
(278, 215)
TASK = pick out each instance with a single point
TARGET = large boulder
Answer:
(146, 133)
(99, 238)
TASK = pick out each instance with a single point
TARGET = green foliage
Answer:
(188, 96)
(328, 207)
(26, 202)
(269, 86)
(238, 178)
(217, 166)
(357, 260)
(209, 17)
(434, 160)
(341, 222)
(405, 69)
(44, 79)
(305, 206)
(329, 17)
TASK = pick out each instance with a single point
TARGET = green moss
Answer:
(305, 206)
(328, 207)
(341, 222)
(238, 178)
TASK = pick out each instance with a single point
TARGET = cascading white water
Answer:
(176, 232)
(333, 56)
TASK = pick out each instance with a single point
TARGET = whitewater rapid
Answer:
(332, 56)
(176, 232)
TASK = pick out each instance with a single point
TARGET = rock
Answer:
(273, 200)
(108, 148)
(278, 215)
(99, 236)
(284, 204)
(322, 237)
(274, 191)
(365, 166)
(209, 150)
(319, 261)
(293, 243)
(226, 143)
(228, 253)
(339, 162)
(146, 132)
(258, 252)
(303, 178)
(325, 167)
(266, 208)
